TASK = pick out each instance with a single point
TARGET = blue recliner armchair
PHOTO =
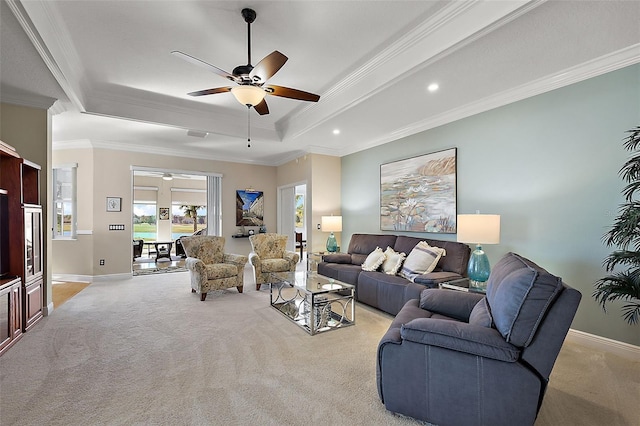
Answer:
(455, 358)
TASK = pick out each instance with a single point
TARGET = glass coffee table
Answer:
(315, 302)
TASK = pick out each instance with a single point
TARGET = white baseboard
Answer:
(622, 349)
(113, 277)
(72, 278)
(48, 309)
(91, 278)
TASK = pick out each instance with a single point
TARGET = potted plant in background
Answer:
(624, 283)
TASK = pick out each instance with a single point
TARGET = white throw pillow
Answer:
(422, 260)
(374, 260)
(393, 261)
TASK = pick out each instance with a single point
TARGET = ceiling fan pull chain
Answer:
(248, 126)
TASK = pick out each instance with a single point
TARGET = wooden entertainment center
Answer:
(21, 257)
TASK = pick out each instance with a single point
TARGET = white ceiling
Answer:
(109, 63)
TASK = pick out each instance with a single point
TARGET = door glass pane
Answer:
(144, 221)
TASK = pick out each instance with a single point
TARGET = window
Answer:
(182, 222)
(64, 201)
(144, 221)
(188, 209)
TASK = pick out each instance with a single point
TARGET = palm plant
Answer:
(625, 234)
(192, 212)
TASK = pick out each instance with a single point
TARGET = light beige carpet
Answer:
(148, 351)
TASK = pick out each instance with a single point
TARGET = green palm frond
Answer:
(620, 286)
(631, 189)
(625, 233)
(622, 257)
(626, 227)
(632, 142)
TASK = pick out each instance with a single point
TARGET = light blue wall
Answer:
(548, 165)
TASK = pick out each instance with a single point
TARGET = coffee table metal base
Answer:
(314, 311)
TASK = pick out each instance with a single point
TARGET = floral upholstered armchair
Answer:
(210, 267)
(270, 255)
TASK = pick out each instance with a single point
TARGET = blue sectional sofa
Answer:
(389, 293)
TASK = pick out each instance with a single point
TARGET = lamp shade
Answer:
(248, 95)
(331, 224)
(479, 228)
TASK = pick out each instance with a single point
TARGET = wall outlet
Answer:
(101, 262)
(319, 227)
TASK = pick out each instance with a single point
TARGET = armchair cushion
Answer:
(461, 337)
(221, 270)
(519, 292)
(454, 304)
(275, 265)
(269, 246)
(209, 250)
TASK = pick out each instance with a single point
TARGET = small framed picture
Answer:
(114, 204)
(164, 213)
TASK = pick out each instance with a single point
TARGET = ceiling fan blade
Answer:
(262, 108)
(203, 64)
(286, 92)
(210, 91)
(268, 66)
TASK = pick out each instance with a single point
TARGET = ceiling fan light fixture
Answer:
(167, 176)
(248, 95)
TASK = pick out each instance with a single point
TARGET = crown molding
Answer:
(22, 98)
(71, 144)
(170, 152)
(28, 11)
(602, 65)
(454, 26)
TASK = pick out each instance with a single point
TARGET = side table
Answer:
(462, 284)
(313, 258)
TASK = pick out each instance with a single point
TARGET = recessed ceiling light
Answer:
(433, 87)
(336, 131)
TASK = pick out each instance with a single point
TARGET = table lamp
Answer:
(479, 229)
(331, 224)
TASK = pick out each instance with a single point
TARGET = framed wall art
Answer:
(419, 194)
(114, 204)
(163, 213)
(299, 204)
(249, 207)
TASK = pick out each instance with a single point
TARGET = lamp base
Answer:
(478, 285)
(332, 244)
(479, 268)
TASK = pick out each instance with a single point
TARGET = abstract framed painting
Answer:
(418, 194)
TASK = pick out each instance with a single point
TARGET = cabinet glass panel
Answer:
(33, 242)
(5, 319)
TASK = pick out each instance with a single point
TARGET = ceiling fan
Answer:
(251, 81)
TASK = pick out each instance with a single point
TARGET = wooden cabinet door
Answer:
(32, 304)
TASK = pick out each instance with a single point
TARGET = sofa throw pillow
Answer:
(422, 260)
(374, 260)
(393, 261)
